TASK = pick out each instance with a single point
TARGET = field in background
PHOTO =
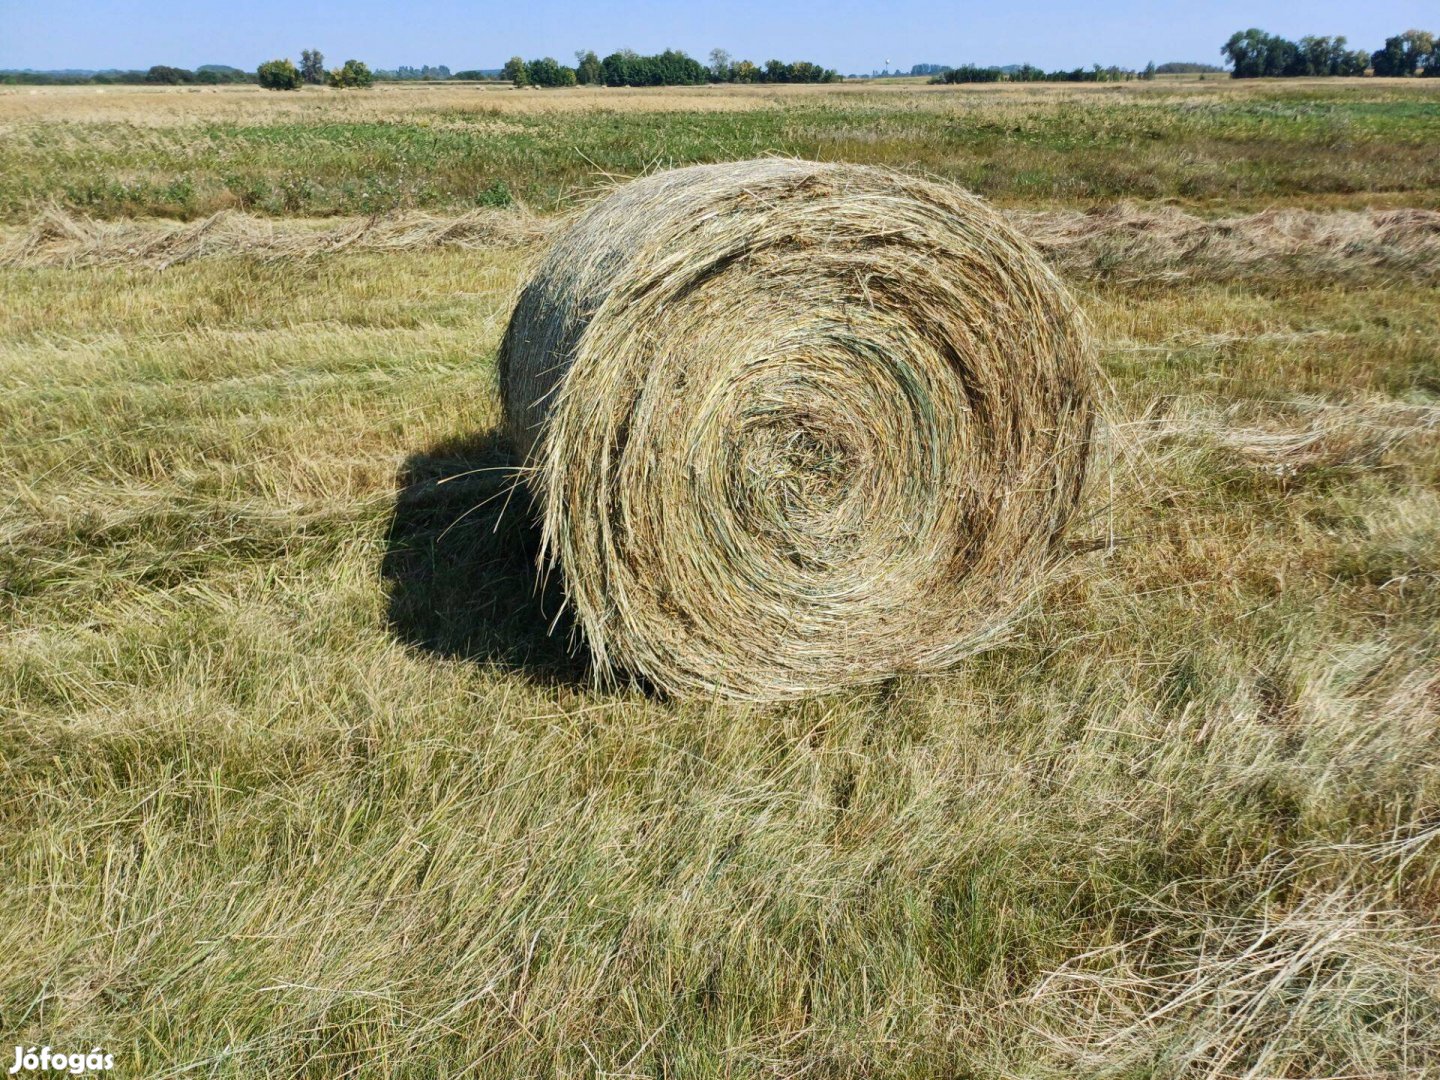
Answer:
(295, 780)
(1212, 144)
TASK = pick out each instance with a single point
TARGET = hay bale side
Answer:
(792, 426)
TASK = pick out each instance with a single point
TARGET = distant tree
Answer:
(352, 75)
(1254, 54)
(674, 68)
(621, 68)
(312, 66)
(1391, 59)
(1355, 62)
(1181, 67)
(743, 71)
(775, 71)
(221, 73)
(549, 72)
(669, 68)
(588, 71)
(1283, 58)
(1149, 72)
(970, 73)
(719, 65)
(426, 72)
(1337, 57)
(1316, 54)
(514, 71)
(1246, 52)
(1404, 53)
(278, 75)
(167, 75)
(616, 68)
(1408, 53)
(1343, 61)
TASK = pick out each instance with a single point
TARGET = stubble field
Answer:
(295, 780)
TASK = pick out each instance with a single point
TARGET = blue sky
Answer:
(850, 35)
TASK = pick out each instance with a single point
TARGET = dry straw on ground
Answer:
(1123, 240)
(58, 238)
(1130, 241)
(793, 426)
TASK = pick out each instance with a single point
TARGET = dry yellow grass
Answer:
(1123, 240)
(296, 783)
(168, 105)
(60, 239)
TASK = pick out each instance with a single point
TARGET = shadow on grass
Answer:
(459, 564)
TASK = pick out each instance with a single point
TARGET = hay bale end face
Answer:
(794, 426)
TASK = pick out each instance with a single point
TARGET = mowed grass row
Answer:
(294, 780)
(1343, 143)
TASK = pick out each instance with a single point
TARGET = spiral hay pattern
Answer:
(793, 426)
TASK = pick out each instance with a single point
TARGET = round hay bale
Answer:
(794, 426)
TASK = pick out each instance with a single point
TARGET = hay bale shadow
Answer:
(459, 565)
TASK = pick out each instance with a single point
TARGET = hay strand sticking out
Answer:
(793, 426)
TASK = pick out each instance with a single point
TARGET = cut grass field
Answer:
(188, 155)
(295, 781)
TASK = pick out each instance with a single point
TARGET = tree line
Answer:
(971, 73)
(159, 74)
(940, 73)
(1254, 54)
(1250, 53)
(272, 75)
(284, 75)
(425, 73)
(625, 67)
(1181, 67)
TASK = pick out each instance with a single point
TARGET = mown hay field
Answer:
(113, 152)
(296, 780)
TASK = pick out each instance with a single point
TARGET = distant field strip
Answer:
(1120, 240)
(1202, 146)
